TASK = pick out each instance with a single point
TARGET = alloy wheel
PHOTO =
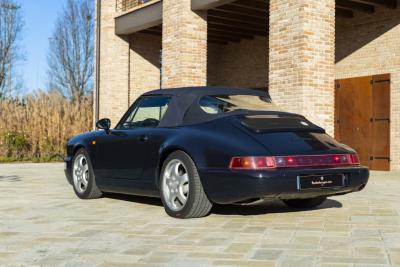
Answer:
(81, 173)
(175, 185)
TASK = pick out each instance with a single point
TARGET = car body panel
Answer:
(224, 186)
(130, 160)
(116, 154)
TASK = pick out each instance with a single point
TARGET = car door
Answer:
(123, 152)
(120, 154)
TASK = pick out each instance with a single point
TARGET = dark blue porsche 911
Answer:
(197, 146)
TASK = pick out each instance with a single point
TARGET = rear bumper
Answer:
(226, 186)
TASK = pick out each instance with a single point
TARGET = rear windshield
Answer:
(229, 103)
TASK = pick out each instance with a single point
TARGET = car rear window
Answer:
(229, 103)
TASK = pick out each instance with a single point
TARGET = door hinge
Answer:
(373, 158)
(379, 119)
(379, 81)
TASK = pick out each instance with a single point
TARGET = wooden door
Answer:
(381, 122)
(362, 117)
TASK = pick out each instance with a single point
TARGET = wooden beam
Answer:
(217, 41)
(344, 13)
(223, 38)
(241, 25)
(237, 30)
(236, 17)
(207, 4)
(231, 34)
(151, 32)
(260, 6)
(380, 3)
(156, 29)
(244, 11)
(264, 5)
(354, 6)
(230, 21)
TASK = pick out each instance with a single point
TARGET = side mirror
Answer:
(104, 124)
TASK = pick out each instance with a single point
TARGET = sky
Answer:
(39, 17)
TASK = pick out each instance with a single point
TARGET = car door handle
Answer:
(143, 138)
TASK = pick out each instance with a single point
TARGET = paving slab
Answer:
(43, 223)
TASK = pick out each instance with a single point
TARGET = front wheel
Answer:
(181, 190)
(83, 179)
(307, 203)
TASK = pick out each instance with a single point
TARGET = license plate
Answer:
(320, 181)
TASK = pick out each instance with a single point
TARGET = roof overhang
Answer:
(142, 18)
(207, 4)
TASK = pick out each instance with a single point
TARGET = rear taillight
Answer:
(272, 162)
(252, 163)
(354, 159)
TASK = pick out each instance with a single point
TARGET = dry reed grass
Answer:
(38, 126)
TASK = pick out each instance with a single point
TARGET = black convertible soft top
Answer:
(184, 108)
(206, 90)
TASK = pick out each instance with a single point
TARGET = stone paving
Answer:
(42, 223)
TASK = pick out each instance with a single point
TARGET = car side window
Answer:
(148, 112)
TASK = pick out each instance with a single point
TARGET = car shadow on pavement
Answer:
(137, 199)
(264, 207)
(10, 178)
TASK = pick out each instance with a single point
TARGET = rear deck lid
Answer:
(289, 134)
(279, 123)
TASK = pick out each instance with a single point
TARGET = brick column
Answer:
(301, 58)
(184, 45)
(114, 67)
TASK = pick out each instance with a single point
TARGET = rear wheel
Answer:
(181, 190)
(304, 203)
(83, 179)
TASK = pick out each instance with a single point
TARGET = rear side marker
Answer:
(273, 162)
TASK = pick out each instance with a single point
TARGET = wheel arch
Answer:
(71, 152)
(164, 155)
(76, 148)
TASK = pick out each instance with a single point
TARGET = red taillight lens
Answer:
(337, 159)
(252, 163)
(272, 162)
(354, 159)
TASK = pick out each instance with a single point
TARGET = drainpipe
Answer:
(98, 19)
(129, 70)
(161, 63)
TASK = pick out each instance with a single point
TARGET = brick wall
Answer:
(184, 45)
(144, 64)
(243, 64)
(368, 45)
(301, 58)
(114, 67)
(129, 66)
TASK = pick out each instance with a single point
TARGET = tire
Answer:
(181, 190)
(307, 203)
(83, 180)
